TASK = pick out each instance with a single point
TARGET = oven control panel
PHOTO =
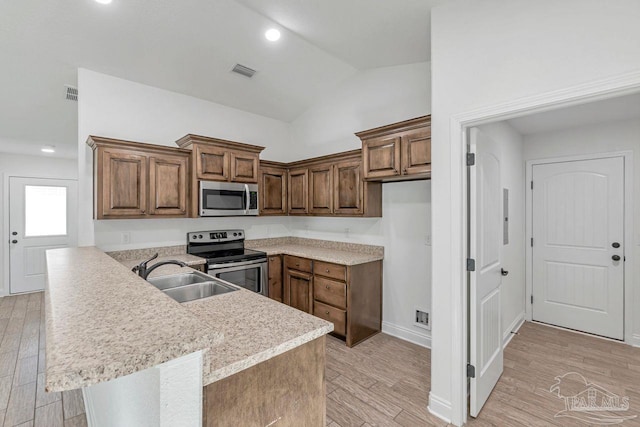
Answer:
(215, 236)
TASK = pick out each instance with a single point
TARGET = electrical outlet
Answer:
(346, 232)
(427, 240)
(125, 238)
(422, 319)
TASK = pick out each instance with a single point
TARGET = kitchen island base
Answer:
(287, 390)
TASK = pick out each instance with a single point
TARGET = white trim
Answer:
(422, 339)
(439, 407)
(514, 327)
(628, 231)
(89, 408)
(4, 289)
(635, 341)
(596, 90)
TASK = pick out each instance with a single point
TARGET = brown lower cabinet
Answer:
(348, 296)
(287, 390)
(298, 285)
(275, 277)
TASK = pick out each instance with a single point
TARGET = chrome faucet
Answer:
(144, 271)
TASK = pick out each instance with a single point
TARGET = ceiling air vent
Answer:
(243, 70)
(71, 93)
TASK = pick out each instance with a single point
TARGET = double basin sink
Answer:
(190, 286)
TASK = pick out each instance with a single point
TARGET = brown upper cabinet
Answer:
(221, 160)
(298, 195)
(321, 189)
(273, 188)
(323, 186)
(137, 180)
(396, 152)
(216, 159)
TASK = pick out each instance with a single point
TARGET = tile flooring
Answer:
(383, 381)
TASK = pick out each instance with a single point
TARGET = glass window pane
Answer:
(45, 211)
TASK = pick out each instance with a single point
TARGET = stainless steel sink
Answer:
(190, 286)
(198, 291)
(176, 280)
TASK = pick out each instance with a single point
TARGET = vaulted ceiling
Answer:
(190, 46)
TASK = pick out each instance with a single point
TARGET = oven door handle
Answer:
(237, 264)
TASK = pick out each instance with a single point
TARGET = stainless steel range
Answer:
(227, 259)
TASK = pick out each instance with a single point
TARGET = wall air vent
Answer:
(243, 70)
(71, 93)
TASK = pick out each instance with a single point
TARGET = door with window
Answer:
(42, 215)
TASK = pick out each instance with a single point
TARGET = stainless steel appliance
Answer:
(228, 199)
(227, 259)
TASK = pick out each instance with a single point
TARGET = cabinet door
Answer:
(244, 167)
(275, 277)
(348, 188)
(212, 163)
(321, 189)
(168, 185)
(416, 152)
(273, 191)
(381, 156)
(123, 192)
(298, 191)
(298, 288)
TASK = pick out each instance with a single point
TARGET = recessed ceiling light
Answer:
(104, 1)
(48, 149)
(272, 35)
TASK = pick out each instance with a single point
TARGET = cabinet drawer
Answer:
(334, 271)
(331, 314)
(300, 264)
(330, 291)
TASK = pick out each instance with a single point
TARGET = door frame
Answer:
(628, 232)
(454, 409)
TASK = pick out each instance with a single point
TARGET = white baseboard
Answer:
(422, 339)
(635, 340)
(439, 407)
(513, 327)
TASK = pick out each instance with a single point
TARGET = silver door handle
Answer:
(247, 196)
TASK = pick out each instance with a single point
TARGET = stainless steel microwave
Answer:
(228, 199)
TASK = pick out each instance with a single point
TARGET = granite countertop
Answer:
(104, 322)
(255, 328)
(320, 250)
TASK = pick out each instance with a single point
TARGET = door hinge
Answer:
(531, 298)
(471, 371)
(471, 264)
(532, 185)
(532, 242)
(471, 159)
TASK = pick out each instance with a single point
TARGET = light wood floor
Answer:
(383, 381)
(539, 354)
(23, 401)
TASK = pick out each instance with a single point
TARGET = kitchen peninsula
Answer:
(144, 359)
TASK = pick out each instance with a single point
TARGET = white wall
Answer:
(123, 109)
(593, 139)
(26, 166)
(486, 53)
(367, 100)
(512, 255)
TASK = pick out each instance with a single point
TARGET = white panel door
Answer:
(485, 352)
(42, 215)
(578, 243)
